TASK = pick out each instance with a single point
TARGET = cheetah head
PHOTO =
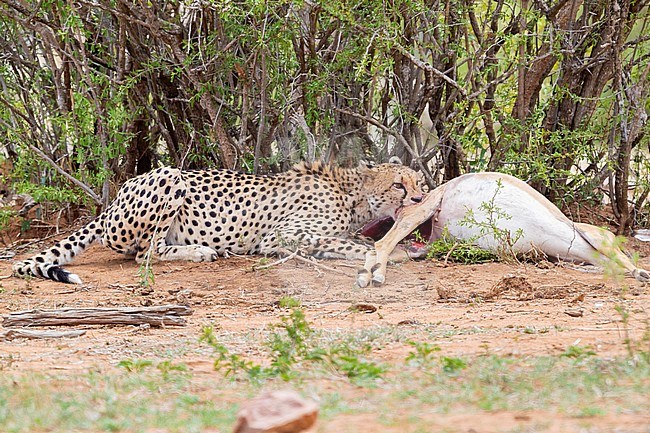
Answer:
(389, 187)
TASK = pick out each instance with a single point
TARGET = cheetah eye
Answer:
(398, 185)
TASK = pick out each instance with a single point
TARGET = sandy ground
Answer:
(504, 309)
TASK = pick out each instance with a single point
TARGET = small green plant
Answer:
(458, 251)
(135, 365)
(6, 216)
(289, 346)
(625, 320)
(167, 367)
(504, 239)
(645, 341)
(613, 269)
(25, 225)
(423, 353)
(452, 364)
(263, 261)
(349, 356)
(590, 412)
(424, 356)
(356, 368)
(289, 302)
(146, 274)
(578, 352)
(232, 364)
(145, 271)
(293, 342)
(465, 251)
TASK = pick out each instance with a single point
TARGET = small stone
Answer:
(277, 412)
(408, 322)
(579, 298)
(363, 308)
(574, 312)
(145, 291)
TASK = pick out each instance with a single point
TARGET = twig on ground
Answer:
(296, 256)
(320, 265)
(32, 334)
(277, 262)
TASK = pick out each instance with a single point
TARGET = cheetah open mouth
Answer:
(377, 229)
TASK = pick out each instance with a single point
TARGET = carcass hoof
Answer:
(377, 277)
(363, 277)
(641, 275)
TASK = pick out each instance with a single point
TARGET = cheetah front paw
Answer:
(199, 253)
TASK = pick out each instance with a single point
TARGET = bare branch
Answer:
(97, 199)
(430, 69)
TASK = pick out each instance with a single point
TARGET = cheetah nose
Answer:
(416, 199)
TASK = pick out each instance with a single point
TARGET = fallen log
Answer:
(165, 315)
(32, 334)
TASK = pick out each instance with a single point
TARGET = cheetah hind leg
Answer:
(163, 250)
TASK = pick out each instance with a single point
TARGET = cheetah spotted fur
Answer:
(198, 215)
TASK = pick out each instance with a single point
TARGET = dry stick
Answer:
(166, 315)
(451, 250)
(320, 265)
(277, 262)
(294, 255)
(348, 265)
(10, 334)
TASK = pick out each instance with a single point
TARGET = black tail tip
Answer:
(57, 273)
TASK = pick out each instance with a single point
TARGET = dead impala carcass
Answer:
(494, 211)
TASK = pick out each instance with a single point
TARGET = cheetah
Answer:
(198, 215)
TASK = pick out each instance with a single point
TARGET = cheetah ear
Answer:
(366, 164)
(395, 160)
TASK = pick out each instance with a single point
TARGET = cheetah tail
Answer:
(47, 264)
(45, 270)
